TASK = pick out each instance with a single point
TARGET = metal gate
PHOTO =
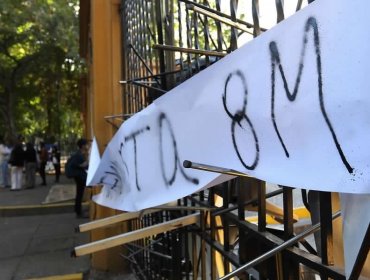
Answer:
(164, 43)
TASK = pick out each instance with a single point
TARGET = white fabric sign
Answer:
(356, 219)
(291, 107)
(94, 160)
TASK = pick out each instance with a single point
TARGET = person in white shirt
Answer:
(16, 161)
(4, 170)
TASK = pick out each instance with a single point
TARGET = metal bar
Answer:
(314, 262)
(234, 32)
(146, 247)
(303, 257)
(305, 199)
(179, 18)
(169, 40)
(112, 123)
(226, 224)
(206, 33)
(251, 201)
(219, 18)
(188, 50)
(279, 10)
(308, 247)
(186, 243)
(143, 61)
(153, 23)
(277, 249)
(288, 212)
(196, 40)
(229, 256)
(241, 217)
(255, 14)
(209, 34)
(262, 206)
(361, 256)
(290, 269)
(158, 18)
(122, 116)
(217, 12)
(189, 42)
(176, 256)
(127, 258)
(149, 35)
(148, 87)
(194, 253)
(299, 5)
(219, 28)
(126, 94)
(136, 65)
(211, 168)
(140, 81)
(327, 228)
(139, 47)
(149, 77)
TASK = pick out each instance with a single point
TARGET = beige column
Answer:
(104, 99)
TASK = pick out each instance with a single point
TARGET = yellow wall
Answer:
(104, 97)
(101, 39)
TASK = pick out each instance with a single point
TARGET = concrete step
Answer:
(75, 276)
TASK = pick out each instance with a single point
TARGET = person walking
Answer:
(78, 165)
(30, 165)
(55, 156)
(43, 157)
(4, 170)
(16, 161)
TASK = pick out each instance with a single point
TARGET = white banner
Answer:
(356, 219)
(291, 107)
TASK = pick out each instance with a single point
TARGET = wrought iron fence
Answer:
(164, 43)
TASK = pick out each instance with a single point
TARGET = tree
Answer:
(39, 68)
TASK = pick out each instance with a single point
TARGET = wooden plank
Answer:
(135, 235)
(75, 276)
(132, 215)
(262, 206)
(113, 220)
(326, 228)
(290, 269)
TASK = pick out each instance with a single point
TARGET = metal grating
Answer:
(164, 43)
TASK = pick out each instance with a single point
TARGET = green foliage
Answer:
(39, 69)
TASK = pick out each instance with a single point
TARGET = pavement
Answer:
(37, 233)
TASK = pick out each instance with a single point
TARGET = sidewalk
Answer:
(37, 234)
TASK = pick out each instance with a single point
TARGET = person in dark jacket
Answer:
(79, 165)
(16, 162)
(30, 165)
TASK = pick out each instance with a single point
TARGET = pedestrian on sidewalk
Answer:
(43, 157)
(55, 157)
(31, 165)
(4, 158)
(16, 162)
(79, 164)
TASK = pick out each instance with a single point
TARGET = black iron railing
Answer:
(164, 43)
